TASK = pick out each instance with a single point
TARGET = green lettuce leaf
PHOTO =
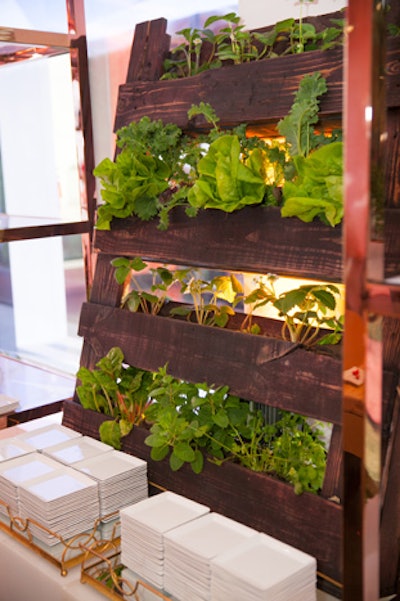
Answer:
(226, 182)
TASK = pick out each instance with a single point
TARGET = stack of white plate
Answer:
(65, 502)
(263, 569)
(189, 550)
(41, 438)
(143, 528)
(11, 447)
(71, 451)
(18, 470)
(121, 478)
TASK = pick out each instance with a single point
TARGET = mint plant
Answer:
(190, 422)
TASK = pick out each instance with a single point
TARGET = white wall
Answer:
(260, 13)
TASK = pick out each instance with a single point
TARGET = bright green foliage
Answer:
(193, 420)
(298, 126)
(190, 422)
(151, 157)
(225, 181)
(314, 178)
(158, 168)
(306, 309)
(212, 302)
(137, 298)
(317, 189)
(116, 390)
(202, 49)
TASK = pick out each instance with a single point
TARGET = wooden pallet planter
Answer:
(255, 239)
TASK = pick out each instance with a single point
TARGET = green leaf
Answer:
(289, 300)
(184, 451)
(125, 427)
(110, 434)
(297, 126)
(326, 298)
(159, 453)
(198, 462)
(174, 462)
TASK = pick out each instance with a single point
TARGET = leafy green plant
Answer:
(116, 390)
(202, 49)
(314, 178)
(159, 168)
(317, 188)
(304, 310)
(205, 295)
(192, 421)
(153, 162)
(139, 298)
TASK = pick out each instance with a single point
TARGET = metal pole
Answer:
(364, 112)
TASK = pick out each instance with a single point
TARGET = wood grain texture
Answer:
(255, 93)
(257, 368)
(253, 239)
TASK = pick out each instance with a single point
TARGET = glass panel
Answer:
(40, 14)
(41, 140)
(42, 288)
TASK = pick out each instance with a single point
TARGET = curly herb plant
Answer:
(190, 423)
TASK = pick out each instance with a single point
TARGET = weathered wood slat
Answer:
(277, 374)
(254, 93)
(238, 93)
(149, 49)
(253, 239)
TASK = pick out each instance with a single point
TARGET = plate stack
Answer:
(261, 569)
(143, 529)
(47, 436)
(190, 549)
(18, 470)
(71, 451)
(121, 478)
(65, 502)
(12, 447)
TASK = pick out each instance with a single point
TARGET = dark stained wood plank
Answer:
(253, 93)
(249, 93)
(149, 49)
(332, 481)
(258, 368)
(105, 289)
(30, 232)
(253, 239)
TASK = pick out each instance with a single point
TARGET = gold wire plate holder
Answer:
(101, 568)
(73, 549)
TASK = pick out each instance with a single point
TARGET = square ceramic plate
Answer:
(113, 465)
(164, 511)
(207, 536)
(10, 448)
(48, 436)
(76, 449)
(263, 562)
(27, 467)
